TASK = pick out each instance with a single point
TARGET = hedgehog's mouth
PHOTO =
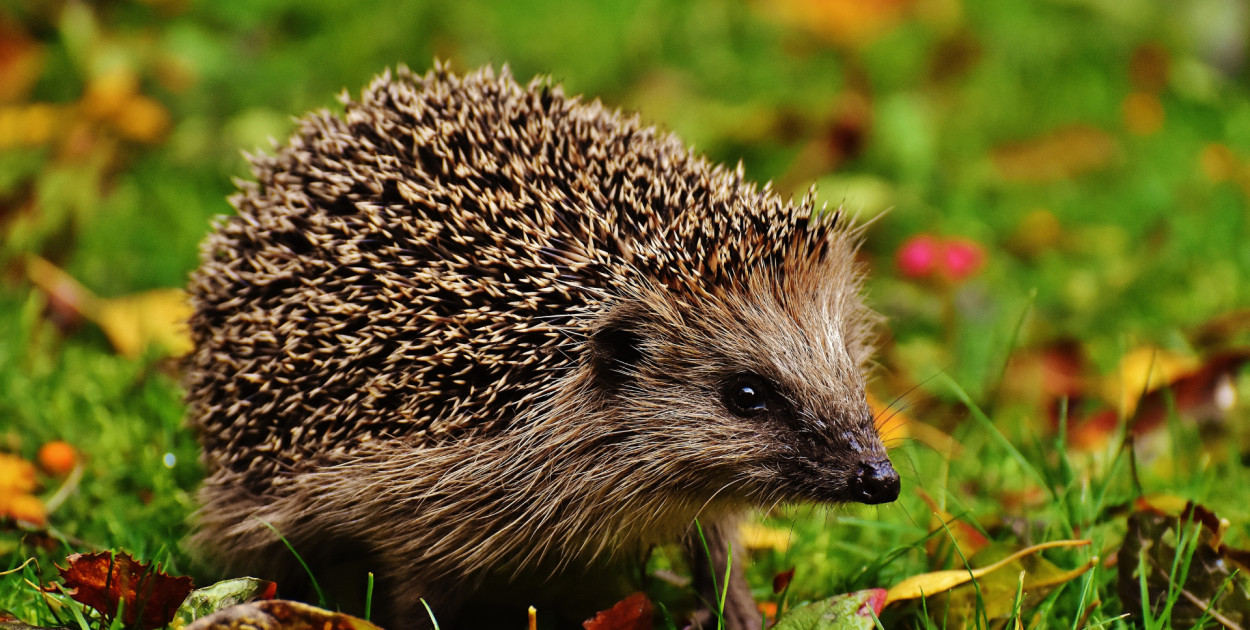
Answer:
(870, 480)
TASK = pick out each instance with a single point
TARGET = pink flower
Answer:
(961, 259)
(919, 256)
(953, 260)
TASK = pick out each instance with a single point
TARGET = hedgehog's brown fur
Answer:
(470, 326)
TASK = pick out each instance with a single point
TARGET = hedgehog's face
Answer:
(763, 395)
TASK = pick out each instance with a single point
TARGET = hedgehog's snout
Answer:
(876, 481)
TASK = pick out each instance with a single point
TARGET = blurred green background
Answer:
(1094, 154)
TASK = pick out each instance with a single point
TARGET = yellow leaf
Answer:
(16, 474)
(131, 322)
(1144, 370)
(938, 581)
(24, 507)
(756, 536)
(152, 318)
(17, 481)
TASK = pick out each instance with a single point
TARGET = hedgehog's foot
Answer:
(708, 571)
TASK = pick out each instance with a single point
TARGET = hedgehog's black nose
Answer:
(876, 482)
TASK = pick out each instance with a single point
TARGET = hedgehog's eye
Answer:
(747, 395)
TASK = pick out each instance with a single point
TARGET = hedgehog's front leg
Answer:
(708, 571)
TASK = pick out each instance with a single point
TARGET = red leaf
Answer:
(782, 580)
(631, 613)
(102, 580)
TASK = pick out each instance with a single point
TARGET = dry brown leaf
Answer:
(1213, 584)
(104, 579)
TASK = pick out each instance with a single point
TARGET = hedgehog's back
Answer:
(417, 267)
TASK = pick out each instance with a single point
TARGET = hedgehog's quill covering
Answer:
(414, 269)
(395, 337)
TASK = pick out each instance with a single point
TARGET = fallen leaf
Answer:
(782, 580)
(935, 582)
(205, 601)
(755, 536)
(1205, 394)
(631, 613)
(17, 483)
(133, 323)
(849, 611)
(155, 318)
(1210, 588)
(24, 507)
(278, 614)
(1040, 375)
(1143, 370)
(16, 474)
(1027, 578)
(104, 579)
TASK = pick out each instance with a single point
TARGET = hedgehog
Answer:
(468, 331)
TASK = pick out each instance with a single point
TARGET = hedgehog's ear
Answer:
(615, 349)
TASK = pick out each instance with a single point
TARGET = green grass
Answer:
(1148, 245)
